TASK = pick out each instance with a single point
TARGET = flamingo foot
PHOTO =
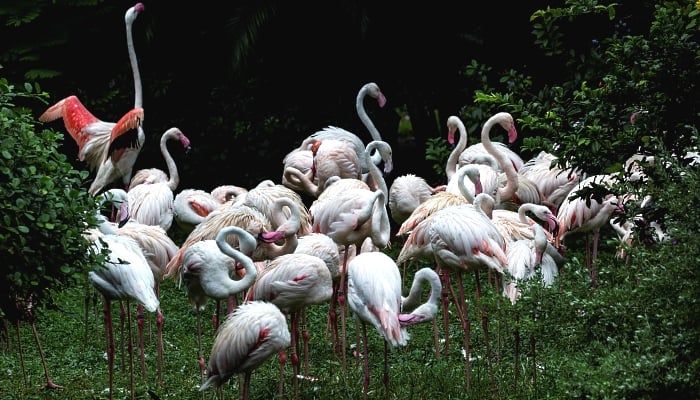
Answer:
(51, 385)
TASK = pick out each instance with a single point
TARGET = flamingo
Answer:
(323, 247)
(153, 204)
(208, 266)
(517, 225)
(504, 193)
(577, 214)
(553, 182)
(293, 282)
(109, 148)
(406, 193)
(247, 338)
(525, 256)
(226, 193)
(333, 132)
(461, 238)
(264, 197)
(301, 160)
(159, 249)
(252, 220)
(126, 276)
(445, 198)
(192, 206)
(331, 157)
(349, 217)
(374, 296)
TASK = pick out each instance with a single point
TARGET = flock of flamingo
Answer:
(267, 256)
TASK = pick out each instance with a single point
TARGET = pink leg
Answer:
(365, 351)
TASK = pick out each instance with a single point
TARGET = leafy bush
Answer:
(45, 208)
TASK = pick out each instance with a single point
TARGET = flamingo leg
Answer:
(295, 356)
(246, 386)
(341, 302)
(386, 370)
(484, 326)
(21, 352)
(365, 351)
(445, 280)
(49, 383)
(110, 342)
(131, 353)
(462, 312)
(159, 325)
(140, 320)
(305, 338)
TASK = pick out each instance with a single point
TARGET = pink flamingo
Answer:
(374, 296)
(152, 204)
(208, 266)
(247, 338)
(109, 148)
(293, 282)
(582, 215)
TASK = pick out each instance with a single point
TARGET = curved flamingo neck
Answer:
(453, 159)
(505, 193)
(302, 180)
(246, 241)
(362, 113)
(174, 177)
(381, 229)
(473, 173)
(374, 172)
(423, 276)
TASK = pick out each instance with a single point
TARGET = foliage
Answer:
(45, 207)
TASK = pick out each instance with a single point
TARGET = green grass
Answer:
(574, 342)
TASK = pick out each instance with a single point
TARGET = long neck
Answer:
(522, 212)
(453, 159)
(422, 276)
(505, 193)
(471, 172)
(540, 242)
(138, 90)
(376, 175)
(174, 178)
(244, 240)
(360, 107)
(381, 229)
(428, 310)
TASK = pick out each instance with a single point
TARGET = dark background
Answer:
(302, 73)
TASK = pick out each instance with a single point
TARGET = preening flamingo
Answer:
(208, 267)
(525, 257)
(109, 148)
(252, 220)
(349, 217)
(293, 282)
(247, 338)
(374, 296)
(406, 193)
(192, 206)
(152, 204)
